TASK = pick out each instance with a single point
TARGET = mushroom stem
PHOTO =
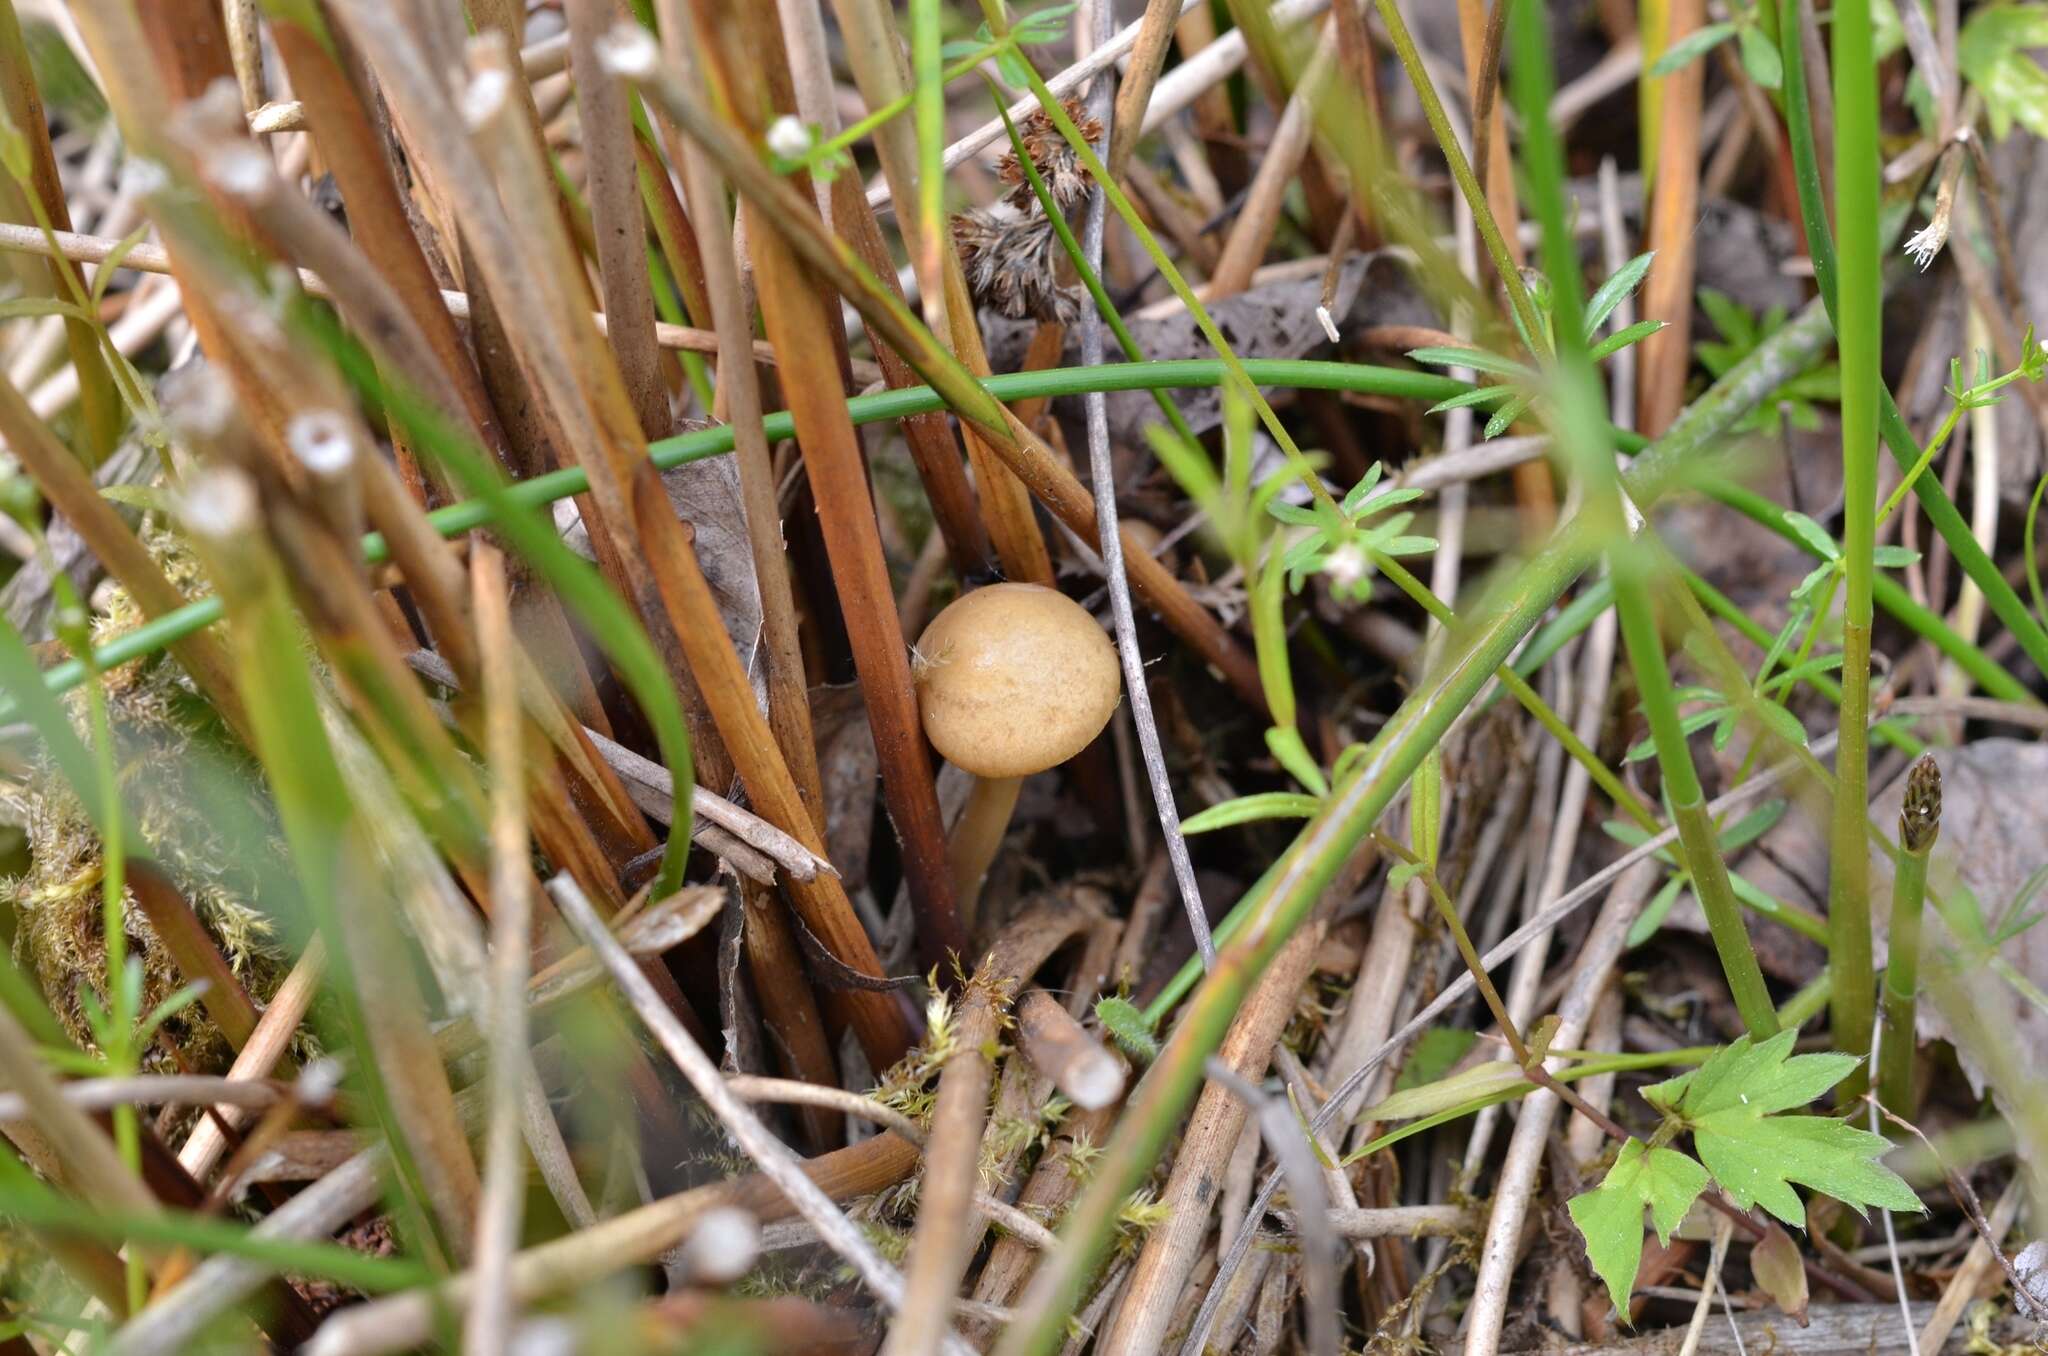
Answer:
(977, 835)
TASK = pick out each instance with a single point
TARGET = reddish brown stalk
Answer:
(193, 950)
(1134, 92)
(929, 437)
(612, 189)
(1480, 27)
(676, 232)
(179, 55)
(789, 1007)
(801, 319)
(1665, 358)
(878, 1018)
(354, 149)
(873, 53)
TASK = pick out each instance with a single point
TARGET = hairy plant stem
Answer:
(1858, 329)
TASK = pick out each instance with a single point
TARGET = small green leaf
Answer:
(1729, 1104)
(1760, 57)
(1478, 359)
(1690, 48)
(1813, 534)
(1610, 1216)
(1436, 1050)
(1284, 741)
(1621, 339)
(1249, 809)
(1656, 911)
(1478, 396)
(1506, 415)
(1615, 290)
(1893, 557)
(1481, 1080)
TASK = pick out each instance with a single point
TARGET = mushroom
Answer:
(1012, 679)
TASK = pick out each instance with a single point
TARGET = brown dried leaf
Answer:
(1776, 1264)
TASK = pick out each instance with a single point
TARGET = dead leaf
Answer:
(706, 494)
(1776, 1264)
(848, 770)
(672, 921)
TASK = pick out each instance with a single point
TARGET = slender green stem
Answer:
(1461, 171)
(1858, 330)
(1934, 501)
(1919, 826)
(929, 92)
(1581, 428)
(1532, 701)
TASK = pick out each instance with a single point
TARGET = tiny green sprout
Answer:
(1731, 1106)
(1127, 1026)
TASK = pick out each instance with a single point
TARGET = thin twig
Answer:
(1109, 540)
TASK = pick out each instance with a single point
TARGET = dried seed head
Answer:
(1920, 816)
(1052, 156)
(1011, 262)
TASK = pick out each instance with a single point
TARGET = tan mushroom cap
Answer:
(1014, 679)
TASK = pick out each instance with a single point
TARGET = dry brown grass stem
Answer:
(878, 1019)
(400, 1322)
(1091, 1075)
(259, 1056)
(103, 1094)
(192, 948)
(361, 161)
(1140, 74)
(1279, 169)
(789, 1092)
(23, 104)
(946, 1238)
(504, 1181)
(1532, 1136)
(739, 391)
(152, 258)
(612, 189)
